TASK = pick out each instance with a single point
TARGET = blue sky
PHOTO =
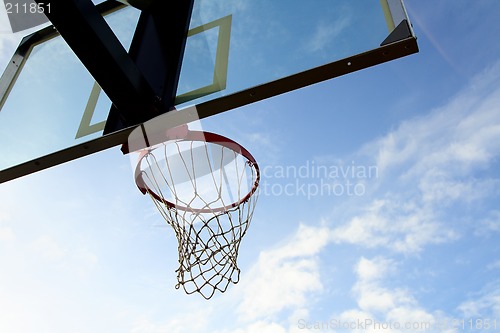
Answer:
(415, 242)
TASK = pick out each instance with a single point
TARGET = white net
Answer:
(207, 192)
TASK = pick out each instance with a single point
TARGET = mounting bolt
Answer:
(157, 103)
(157, 99)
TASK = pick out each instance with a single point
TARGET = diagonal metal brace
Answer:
(158, 49)
(92, 40)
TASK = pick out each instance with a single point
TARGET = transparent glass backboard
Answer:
(269, 40)
(50, 103)
(52, 97)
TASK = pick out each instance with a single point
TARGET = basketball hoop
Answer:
(205, 187)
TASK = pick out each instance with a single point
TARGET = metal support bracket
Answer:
(157, 49)
(89, 36)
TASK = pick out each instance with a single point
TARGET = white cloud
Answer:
(489, 225)
(48, 248)
(390, 307)
(493, 265)
(262, 327)
(326, 32)
(486, 304)
(6, 234)
(371, 297)
(395, 224)
(447, 191)
(425, 166)
(86, 261)
(195, 321)
(454, 138)
(284, 277)
(373, 270)
(4, 216)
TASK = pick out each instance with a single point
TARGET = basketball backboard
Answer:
(236, 53)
